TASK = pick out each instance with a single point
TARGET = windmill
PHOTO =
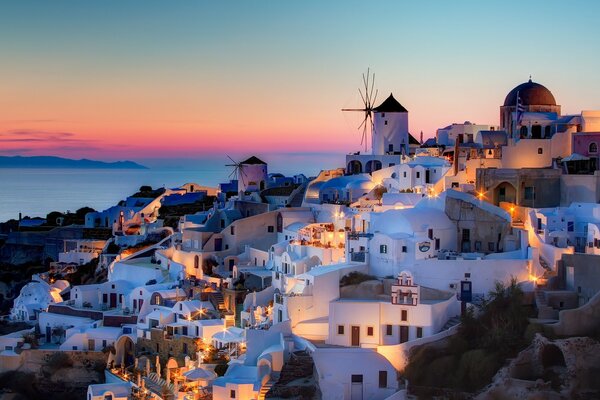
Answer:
(368, 105)
(238, 171)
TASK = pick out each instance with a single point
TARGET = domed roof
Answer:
(531, 93)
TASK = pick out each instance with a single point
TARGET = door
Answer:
(91, 344)
(356, 391)
(427, 176)
(403, 334)
(113, 300)
(218, 244)
(466, 241)
(48, 334)
(356, 336)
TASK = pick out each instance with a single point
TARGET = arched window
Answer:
(523, 132)
(196, 261)
(593, 147)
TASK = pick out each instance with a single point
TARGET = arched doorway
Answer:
(523, 132)
(505, 192)
(536, 132)
(354, 167)
(125, 351)
(372, 165)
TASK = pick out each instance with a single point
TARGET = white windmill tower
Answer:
(251, 174)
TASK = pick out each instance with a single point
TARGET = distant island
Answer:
(58, 162)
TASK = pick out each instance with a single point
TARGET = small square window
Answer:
(404, 249)
(418, 174)
(383, 249)
(388, 330)
(232, 394)
(340, 329)
(270, 229)
(385, 122)
(540, 150)
(369, 331)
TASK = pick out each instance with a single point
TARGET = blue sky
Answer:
(232, 76)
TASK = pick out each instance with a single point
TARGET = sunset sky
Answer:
(158, 79)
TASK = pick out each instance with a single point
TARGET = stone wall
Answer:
(168, 346)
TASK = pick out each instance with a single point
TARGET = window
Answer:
(232, 394)
(382, 115)
(270, 229)
(419, 332)
(529, 193)
(430, 233)
(540, 150)
(74, 347)
(418, 174)
(385, 122)
(593, 148)
(383, 249)
(382, 379)
(405, 174)
(388, 330)
(404, 249)
(340, 329)
(404, 315)
(232, 230)
(369, 331)
(357, 378)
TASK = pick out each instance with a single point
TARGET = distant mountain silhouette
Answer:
(58, 162)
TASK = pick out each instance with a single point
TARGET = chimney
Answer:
(421, 137)
(459, 139)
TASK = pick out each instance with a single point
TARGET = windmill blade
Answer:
(362, 97)
(232, 160)
(353, 109)
(375, 98)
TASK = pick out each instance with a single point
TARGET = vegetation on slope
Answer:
(496, 330)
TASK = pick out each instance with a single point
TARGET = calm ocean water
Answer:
(36, 192)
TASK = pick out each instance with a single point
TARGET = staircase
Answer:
(295, 199)
(545, 264)
(450, 323)
(544, 310)
(217, 300)
(262, 395)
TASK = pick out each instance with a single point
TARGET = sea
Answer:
(35, 192)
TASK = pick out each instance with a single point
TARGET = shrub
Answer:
(59, 360)
(220, 369)
(354, 278)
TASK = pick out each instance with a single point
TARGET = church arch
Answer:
(593, 148)
(505, 192)
(354, 167)
(372, 166)
(523, 132)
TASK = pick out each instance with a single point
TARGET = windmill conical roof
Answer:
(390, 105)
(253, 160)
